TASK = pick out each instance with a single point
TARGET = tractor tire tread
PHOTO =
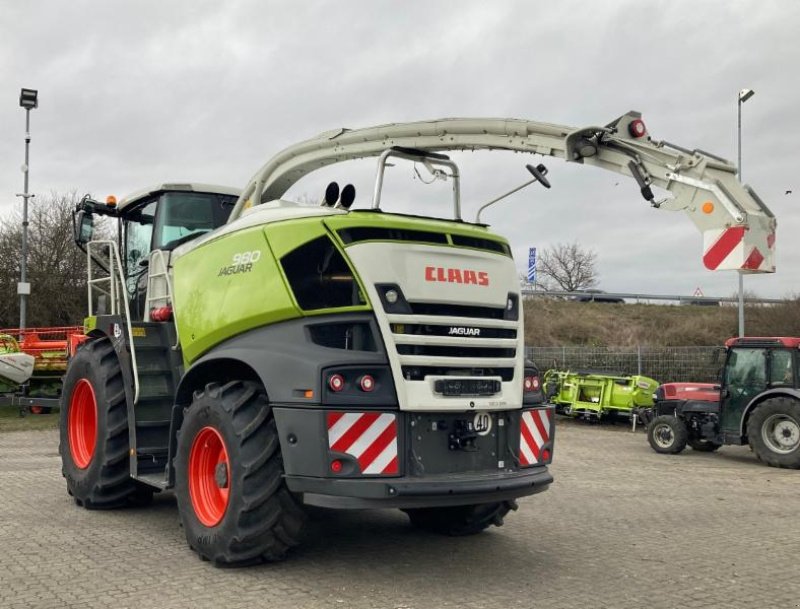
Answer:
(260, 524)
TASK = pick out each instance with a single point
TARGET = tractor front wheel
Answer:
(94, 431)
(232, 499)
(667, 434)
(460, 520)
(773, 431)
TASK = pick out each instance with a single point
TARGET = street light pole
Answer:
(28, 99)
(744, 95)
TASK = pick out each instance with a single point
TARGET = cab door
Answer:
(744, 378)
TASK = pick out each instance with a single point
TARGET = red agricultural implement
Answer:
(50, 349)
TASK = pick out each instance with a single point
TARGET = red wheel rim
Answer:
(82, 424)
(209, 476)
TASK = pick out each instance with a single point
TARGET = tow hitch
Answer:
(463, 436)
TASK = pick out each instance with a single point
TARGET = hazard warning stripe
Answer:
(369, 437)
(534, 434)
(726, 243)
(754, 260)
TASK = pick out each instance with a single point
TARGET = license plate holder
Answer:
(467, 387)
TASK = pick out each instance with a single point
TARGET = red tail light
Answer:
(336, 382)
(531, 383)
(336, 466)
(366, 383)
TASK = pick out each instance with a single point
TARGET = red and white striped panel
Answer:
(370, 437)
(534, 434)
(731, 248)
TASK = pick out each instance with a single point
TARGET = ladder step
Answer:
(156, 398)
(152, 451)
(157, 480)
(155, 372)
(154, 423)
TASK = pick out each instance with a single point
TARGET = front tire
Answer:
(773, 431)
(667, 435)
(94, 430)
(460, 520)
(232, 499)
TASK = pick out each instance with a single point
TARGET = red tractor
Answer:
(756, 403)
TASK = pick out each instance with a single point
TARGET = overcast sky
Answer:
(135, 93)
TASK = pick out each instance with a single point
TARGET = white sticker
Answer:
(117, 331)
(482, 423)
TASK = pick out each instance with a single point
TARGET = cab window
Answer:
(747, 368)
(138, 236)
(780, 368)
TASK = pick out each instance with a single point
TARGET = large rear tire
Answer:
(233, 502)
(773, 432)
(94, 431)
(667, 434)
(460, 520)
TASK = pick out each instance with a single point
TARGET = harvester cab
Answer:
(158, 218)
(324, 355)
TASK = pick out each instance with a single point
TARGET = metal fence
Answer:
(664, 364)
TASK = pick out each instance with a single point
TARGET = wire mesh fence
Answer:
(664, 364)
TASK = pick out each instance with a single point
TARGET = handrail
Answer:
(158, 255)
(116, 287)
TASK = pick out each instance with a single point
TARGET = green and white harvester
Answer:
(255, 355)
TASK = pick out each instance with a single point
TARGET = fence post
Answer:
(639, 359)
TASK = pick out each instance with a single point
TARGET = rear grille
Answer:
(460, 330)
(454, 351)
(358, 234)
(482, 244)
(452, 310)
(437, 339)
(418, 373)
(373, 233)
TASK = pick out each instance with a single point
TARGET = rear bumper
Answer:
(430, 491)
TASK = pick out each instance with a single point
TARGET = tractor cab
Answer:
(753, 368)
(155, 219)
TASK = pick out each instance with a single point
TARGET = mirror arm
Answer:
(501, 197)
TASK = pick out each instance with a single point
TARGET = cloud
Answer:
(133, 93)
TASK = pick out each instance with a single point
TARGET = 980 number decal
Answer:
(242, 263)
(247, 257)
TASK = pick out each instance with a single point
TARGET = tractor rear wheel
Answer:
(773, 431)
(232, 499)
(460, 520)
(667, 434)
(94, 431)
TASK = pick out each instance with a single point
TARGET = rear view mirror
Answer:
(82, 227)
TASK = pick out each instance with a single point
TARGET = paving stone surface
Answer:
(621, 527)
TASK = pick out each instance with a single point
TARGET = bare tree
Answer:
(56, 267)
(568, 267)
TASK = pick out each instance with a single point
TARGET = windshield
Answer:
(165, 223)
(184, 215)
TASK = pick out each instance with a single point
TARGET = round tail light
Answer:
(366, 383)
(336, 382)
(531, 383)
